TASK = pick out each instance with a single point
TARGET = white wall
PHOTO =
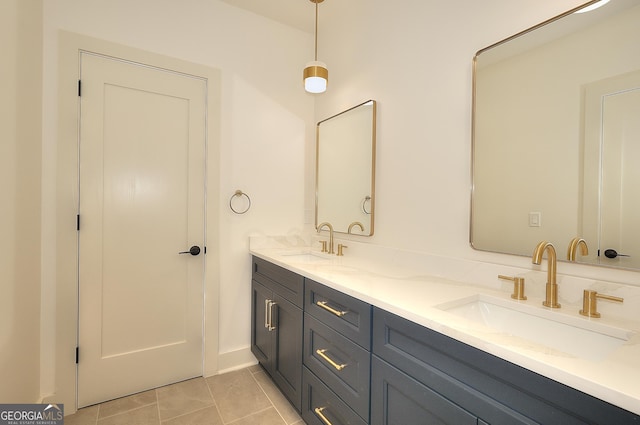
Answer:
(20, 77)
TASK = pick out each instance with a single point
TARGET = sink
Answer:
(576, 336)
(305, 256)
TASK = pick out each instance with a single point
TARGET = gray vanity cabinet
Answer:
(345, 362)
(276, 325)
(420, 375)
(337, 357)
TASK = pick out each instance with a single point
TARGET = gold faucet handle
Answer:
(340, 248)
(324, 246)
(590, 302)
(518, 286)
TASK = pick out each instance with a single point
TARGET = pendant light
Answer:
(594, 6)
(315, 74)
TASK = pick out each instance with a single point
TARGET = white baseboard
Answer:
(233, 360)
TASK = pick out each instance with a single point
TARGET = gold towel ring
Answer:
(364, 202)
(238, 194)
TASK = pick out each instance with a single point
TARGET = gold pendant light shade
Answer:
(316, 77)
(316, 74)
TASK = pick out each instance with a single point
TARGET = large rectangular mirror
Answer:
(345, 170)
(556, 137)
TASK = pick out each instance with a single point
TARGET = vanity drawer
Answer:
(340, 363)
(285, 283)
(489, 387)
(349, 316)
(399, 399)
(318, 400)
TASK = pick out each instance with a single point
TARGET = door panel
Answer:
(621, 177)
(142, 145)
(611, 177)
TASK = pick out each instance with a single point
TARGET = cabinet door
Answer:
(287, 349)
(397, 398)
(261, 345)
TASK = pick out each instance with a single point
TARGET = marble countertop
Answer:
(419, 297)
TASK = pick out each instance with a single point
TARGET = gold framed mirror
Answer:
(556, 139)
(345, 170)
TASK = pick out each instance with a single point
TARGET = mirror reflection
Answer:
(556, 137)
(345, 170)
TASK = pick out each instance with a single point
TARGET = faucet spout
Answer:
(355, 223)
(573, 248)
(330, 227)
(551, 299)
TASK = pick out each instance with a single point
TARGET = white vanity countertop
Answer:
(614, 378)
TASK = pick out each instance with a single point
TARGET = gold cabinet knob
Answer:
(518, 286)
(590, 302)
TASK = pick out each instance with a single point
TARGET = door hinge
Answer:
(79, 88)
(77, 355)
(78, 222)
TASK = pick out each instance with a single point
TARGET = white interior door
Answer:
(620, 202)
(142, 191)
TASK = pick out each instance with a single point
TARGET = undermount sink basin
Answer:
(305, 256)
(579, 337)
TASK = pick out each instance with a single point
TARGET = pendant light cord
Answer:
(316, 37)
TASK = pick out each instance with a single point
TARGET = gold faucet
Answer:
(551, 299)
(573, 248)
(320, 226)
(355, 223)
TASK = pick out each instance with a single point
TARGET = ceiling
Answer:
(299, 14)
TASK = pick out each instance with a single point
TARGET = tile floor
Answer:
(243, 397)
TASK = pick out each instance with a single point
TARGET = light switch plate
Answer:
(535, 219)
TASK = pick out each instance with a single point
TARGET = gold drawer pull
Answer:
(324, 305)
(322, 354)
(318, 411)
(271, 304)
(266, 314)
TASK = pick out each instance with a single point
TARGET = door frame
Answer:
(67, 201)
